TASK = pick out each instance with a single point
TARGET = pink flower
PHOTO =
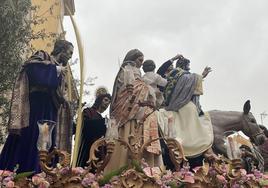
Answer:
(7, 179)
(88, 180)
(188, 179)
(244, 178)
(221, 178)
(90, 176)
(257, 174)
(37, 180)
(44, 184)
(188, 174)
(95, 185)
(212, 172)
(78, 170)
(64, 171)
(159, 182)
(167, 176)
(177, 175)
(224, 168)
(251, 176)
(5, 173)
(235, 186)
(10, 184)
(243, 172)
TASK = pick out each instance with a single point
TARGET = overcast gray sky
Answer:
(231, 36)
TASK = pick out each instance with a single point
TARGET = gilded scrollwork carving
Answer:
(96, 162)
(175, 152)
(46, 160)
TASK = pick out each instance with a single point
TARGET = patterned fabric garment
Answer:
(20, 105)
(127, 112)
(21, 148)
(172, 79)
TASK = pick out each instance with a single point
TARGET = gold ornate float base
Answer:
(225, 172)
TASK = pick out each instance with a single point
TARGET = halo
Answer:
(101, 91)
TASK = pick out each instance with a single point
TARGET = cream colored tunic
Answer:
(153, 80)
(194, 132)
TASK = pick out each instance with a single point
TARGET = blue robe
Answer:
(21, 149)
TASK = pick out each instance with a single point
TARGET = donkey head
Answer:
(250, 126)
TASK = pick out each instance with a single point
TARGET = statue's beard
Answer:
(63, 60)
(102, 108)
(186, 68)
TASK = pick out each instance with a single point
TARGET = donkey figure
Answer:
(223, 121)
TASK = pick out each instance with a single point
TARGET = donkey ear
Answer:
(246, 107)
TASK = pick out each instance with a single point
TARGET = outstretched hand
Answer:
(206, 71)
(178, 56)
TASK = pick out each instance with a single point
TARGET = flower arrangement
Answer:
(208, 176)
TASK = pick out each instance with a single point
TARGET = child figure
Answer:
(153, 80)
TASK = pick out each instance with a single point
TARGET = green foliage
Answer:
(15, 34)
(110, 175)
(264, 183)
(137, 166)
(16, 18)
(23, 175)
(174, 184)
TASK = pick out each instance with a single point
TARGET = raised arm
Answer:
(176, 57)
(166, 67)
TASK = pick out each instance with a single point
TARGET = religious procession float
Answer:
(144, 146)
(156, 136)
(238, 169)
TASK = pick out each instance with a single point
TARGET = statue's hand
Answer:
(206, 71)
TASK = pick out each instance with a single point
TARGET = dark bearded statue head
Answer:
(183, 63)
(63, 51)
(102, 102)
(103, 99)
